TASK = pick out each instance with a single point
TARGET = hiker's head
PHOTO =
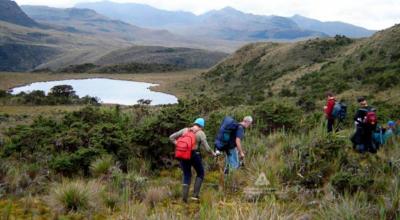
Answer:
(362, 101)
(247, 121)
(200, 123)
(329, 95)
(391, 124)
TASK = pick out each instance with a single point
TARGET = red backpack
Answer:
(184, 145)
(371, 118)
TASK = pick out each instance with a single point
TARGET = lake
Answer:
(109, 91)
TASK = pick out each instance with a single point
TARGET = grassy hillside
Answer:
(180, 57)
(308, 69)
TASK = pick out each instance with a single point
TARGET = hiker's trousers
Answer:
(186, 166)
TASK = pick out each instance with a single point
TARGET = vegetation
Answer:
(58, 95)
(99, 163)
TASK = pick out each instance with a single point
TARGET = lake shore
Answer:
(166, 81)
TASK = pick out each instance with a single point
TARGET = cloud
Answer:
(373, 14)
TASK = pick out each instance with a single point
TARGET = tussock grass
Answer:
(102, 166)
(155, 195)
(75, 196)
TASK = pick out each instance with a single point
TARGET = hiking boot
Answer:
(185, 193)
(197, 187)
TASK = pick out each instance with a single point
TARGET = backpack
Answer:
(226, 134)
(184, 145)
(339, 111)
(371, 118)
(378, 137)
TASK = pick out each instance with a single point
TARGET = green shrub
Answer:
(310, 158)
(344, 182)
(274, 115)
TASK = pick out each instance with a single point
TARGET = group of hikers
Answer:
(368, 135)
(188, 141)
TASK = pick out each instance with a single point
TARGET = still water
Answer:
(109, 91)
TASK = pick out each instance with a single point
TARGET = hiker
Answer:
(366, 122)
(334, 111)
(229, 140)
(390, 131)
(330, 104)
(188, 142)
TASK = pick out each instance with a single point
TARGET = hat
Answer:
(200, 122)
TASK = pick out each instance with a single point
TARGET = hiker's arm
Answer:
(204, 143)
(176, 135)
(239, 147)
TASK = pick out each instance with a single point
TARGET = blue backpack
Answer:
(378, 137)
(339, 111)
(226, 134)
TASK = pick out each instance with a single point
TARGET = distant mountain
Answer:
(332, 28)
(87, 21)
(231, 24)
(225, 24)
(140, 14)
(12, 13)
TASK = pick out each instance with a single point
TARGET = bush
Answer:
(309, 160)
(274, 115)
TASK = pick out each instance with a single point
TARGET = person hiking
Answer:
(330, 104)
(191, 158)
(390, 131)
(365, 121)
(233, 133)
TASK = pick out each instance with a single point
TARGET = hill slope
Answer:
(181, 57)
(332, 28)
(308, 69)
(10, 12)
(85, 21)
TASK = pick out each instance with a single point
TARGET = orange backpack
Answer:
(184, 145)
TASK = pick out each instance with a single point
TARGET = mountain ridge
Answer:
(189, 21)
(10, 12)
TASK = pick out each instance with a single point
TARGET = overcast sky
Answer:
(372, 14)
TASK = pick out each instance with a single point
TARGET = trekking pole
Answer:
(241, 162)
